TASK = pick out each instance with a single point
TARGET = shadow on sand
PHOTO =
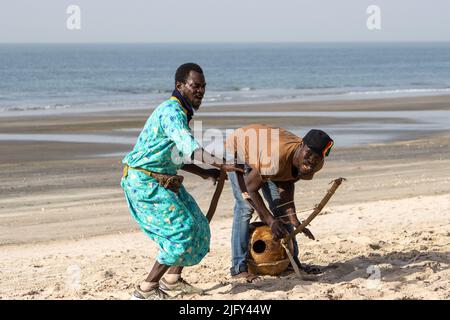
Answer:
(394, 266)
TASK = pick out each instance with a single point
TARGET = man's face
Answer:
(194, 89)
(309, 160)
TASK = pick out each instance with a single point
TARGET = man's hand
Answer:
(279, 230)
(296, 223)
(294, 220)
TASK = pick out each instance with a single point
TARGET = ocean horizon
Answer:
(120, 76)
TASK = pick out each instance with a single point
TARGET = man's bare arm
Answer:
(253, 183)
(199, 171)
(286, 189)
(205, 157)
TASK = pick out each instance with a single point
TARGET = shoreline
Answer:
(358, 103)
(370, 121)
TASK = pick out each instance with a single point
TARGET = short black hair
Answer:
(183, 71)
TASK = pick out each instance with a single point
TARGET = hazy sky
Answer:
(223, 21)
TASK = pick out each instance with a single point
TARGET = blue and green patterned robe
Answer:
(173, 220)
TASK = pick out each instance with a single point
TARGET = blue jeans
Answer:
(241, 220)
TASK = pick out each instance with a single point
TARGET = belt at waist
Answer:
(171, 182)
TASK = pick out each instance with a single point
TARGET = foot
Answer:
(153, 294)
(247, 276)
(180, 287)
(309, 269)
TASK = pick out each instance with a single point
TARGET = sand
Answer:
(65, 231)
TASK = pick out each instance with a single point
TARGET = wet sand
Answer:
(61, 205)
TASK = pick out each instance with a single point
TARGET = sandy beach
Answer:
(384, 235)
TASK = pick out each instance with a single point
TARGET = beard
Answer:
(196, 104)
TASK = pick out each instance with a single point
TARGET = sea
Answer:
(65, 78)
(121, 76)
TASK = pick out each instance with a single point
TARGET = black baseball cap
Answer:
(319, 141)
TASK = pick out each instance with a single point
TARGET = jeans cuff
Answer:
(240, 269)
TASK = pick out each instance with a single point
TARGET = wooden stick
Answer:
(216, 196)
(336, 183)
